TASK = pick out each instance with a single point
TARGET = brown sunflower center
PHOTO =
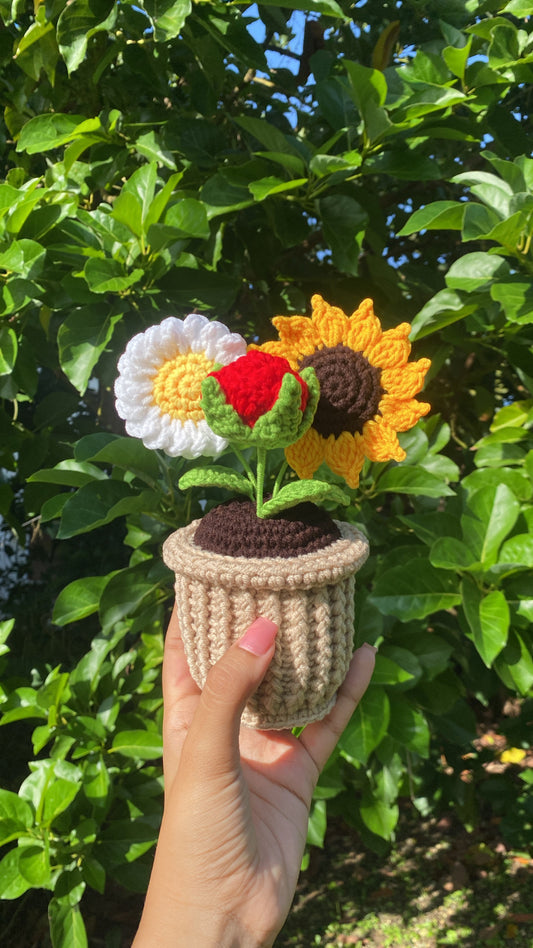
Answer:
(350, 389)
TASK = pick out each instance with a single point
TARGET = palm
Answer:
(237, 801)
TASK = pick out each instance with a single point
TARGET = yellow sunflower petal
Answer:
(405, 381)
(364, 328)
(277, 348)
(329, 321)
(381, 441)
(392, 349)
(400, 413)
(298, 335)
(306, 455)
(345, 456)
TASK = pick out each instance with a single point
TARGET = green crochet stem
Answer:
(260, 482)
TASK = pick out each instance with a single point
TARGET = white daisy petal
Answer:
(155, 424)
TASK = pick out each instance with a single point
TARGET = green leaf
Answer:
(479, 221)
(8, 350)
(150, 147)
(216, 476)
(440, 215)
(12, 882)
(518, 551)
(412, 480)
(97, 783)
(489, 188)
(408, 726)
(37, 49)
(128, 454)
(79, 599)
(488, 617)
(317, 824)
(450, 553)
(367, 727)
(388, 672)
(519, 8)
(265, 187)
(456, 58)
(140, 745)
(302, 491)
(168, 17)
(125, 592)
(59, 794)
(516, 414)
(491, 515)
(24, 257)
(445, 308)
(516, 481)
(47, 131)
(369, 92)
(516, 299)
(67, 927)
(269, 136)
(101, 502)
(79, 21)
(324, 165)
(69, 473)
(94, 874)
(82, 339)
(327, 7)
(414, 590)
(515, 664)
(380, 817)
(34, 866)
(190, 217)
(474, 270)
(104, 275)
(344, 222)
(16, 816)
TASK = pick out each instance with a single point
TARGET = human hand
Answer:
(236, 800)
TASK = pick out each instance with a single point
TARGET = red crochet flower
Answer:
(251, 384)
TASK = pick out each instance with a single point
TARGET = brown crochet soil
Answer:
(235, 529)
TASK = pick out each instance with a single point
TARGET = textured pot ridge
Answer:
(310, 597)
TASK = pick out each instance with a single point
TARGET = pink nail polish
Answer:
(259, 638)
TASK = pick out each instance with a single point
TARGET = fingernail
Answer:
(259, 638)
(367, 645)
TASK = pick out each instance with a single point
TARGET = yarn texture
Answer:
(310, 597)
(367, 387)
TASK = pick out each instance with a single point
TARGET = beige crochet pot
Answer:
(310, 597)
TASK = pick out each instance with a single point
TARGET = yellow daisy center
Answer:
(177, 388)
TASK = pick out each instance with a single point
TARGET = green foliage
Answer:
(154, 161)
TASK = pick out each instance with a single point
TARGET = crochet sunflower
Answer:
(367, 387)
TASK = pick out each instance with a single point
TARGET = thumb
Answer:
(214, 731)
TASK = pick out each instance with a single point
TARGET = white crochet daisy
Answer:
(158, 390)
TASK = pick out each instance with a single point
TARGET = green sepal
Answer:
(285, 423)
(301, 491)
(216, 476)
(222, 417)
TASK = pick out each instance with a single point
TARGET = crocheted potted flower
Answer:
(331, 391)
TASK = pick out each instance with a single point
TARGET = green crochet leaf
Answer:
(216, 476)
(300, 491)
(313, 385)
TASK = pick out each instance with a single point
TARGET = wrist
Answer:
(180, 926)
